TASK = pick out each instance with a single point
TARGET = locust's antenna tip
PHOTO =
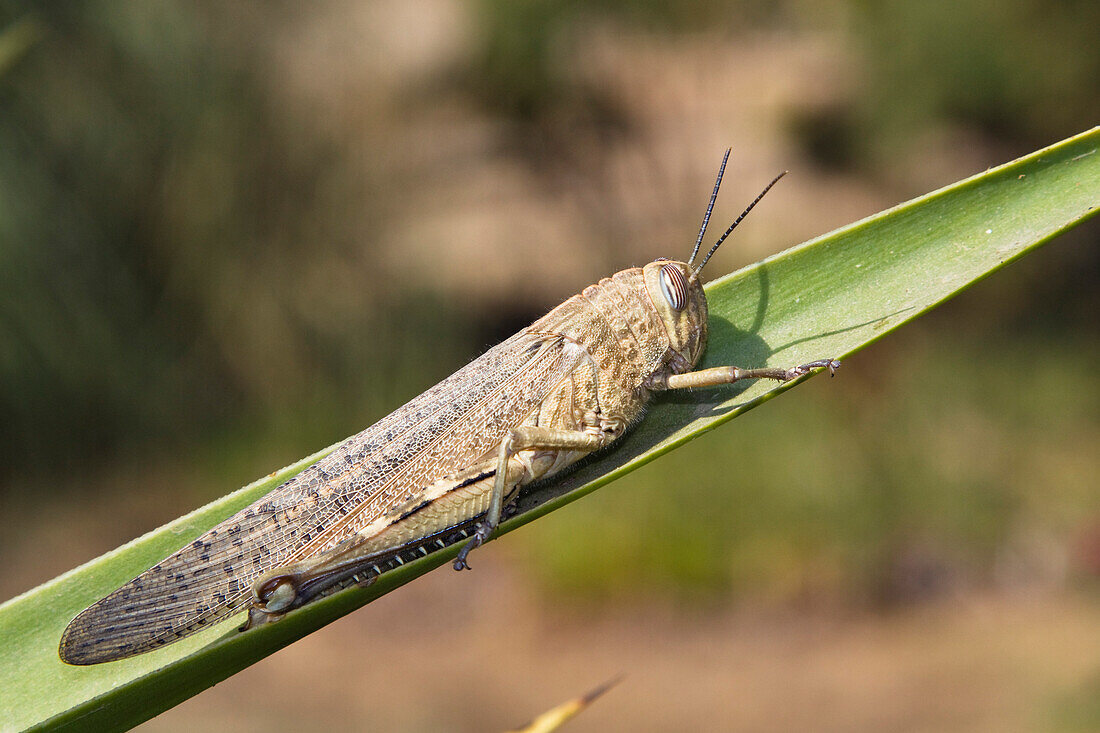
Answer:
(736, 222)
(710, 207)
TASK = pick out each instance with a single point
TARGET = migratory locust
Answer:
(441, 469)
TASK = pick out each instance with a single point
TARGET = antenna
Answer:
(735, 223)
(710, 207)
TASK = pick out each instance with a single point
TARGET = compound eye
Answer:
(674, 286)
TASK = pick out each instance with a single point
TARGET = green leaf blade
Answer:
(826, 298)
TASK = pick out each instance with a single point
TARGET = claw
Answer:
(831, 364)
(481, 534)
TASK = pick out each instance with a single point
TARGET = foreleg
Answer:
(730, 374)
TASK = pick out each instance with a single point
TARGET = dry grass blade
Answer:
(556, 717)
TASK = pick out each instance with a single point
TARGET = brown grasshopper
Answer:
(439, 470)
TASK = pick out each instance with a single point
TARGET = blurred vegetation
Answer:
(1025, 72)
(162, 274)
(1079, 712)
(187, 259)
(1022, 76)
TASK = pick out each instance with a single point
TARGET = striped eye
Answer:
(674, 286)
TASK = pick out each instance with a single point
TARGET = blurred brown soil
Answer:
(477, 652)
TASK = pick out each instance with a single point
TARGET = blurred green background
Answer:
(231, 234)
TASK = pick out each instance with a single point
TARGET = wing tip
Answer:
(79, 646)
(99, 634)
(76, 648)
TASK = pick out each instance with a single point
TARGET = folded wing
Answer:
(452, 425)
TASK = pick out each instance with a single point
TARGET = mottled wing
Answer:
(452, 425)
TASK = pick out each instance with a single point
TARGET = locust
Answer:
(440, 470)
